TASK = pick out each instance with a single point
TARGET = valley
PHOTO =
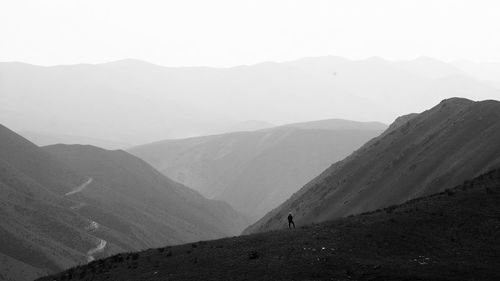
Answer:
(249, 140)
(256, 171)
(450, 235)
(68, 205)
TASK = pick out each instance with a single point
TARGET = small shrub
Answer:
(253, 255)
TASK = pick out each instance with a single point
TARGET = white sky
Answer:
(232, 32)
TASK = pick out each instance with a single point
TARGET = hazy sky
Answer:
(231, 32)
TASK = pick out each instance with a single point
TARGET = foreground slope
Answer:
(419, 154)
(453, 235)
(256, 171)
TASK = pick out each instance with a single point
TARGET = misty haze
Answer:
(249, 140)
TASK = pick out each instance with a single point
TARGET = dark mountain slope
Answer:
(66, 205)
(418, 155)
(26, 157)
(39, 231)
(256, 171)
(130, 188)
(453, 235)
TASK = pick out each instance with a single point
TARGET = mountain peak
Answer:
(427, 59)
(130, 63)
(455, 102)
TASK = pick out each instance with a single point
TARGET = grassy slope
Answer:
(453, 235)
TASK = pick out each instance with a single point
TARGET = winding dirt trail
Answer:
(81, 187)
(93, 226)
(93, 251)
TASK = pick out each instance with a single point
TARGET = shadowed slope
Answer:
(39, 232)
(452, 235)
(66, 205)
(130, 188)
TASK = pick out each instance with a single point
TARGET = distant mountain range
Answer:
(486, 71)
(44, 139)
(418, 155)
(256, 171)
(134, 102)
(64, 205)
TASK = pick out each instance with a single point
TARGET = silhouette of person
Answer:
(290, 221)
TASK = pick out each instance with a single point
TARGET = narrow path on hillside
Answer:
(81, 187)
(93, 225)
(98, 249)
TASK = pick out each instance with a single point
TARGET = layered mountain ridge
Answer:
(65, 205)
(419, 154)
(134, 102)
(256, 171)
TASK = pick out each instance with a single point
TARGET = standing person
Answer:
(290, 221)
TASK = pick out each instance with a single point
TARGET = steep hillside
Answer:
(256, 171)
(453, 235)
(28, 159)
(418, 155)
(166, 211)
(67, 205)
(39, 231)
